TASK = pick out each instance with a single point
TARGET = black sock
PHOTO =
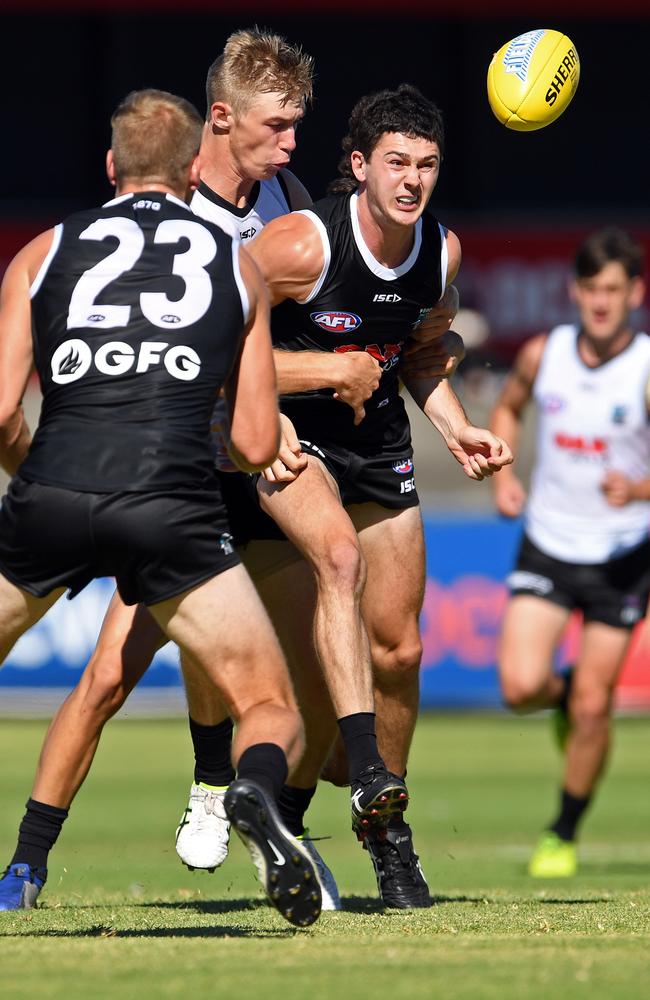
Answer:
(37, 834)
(293, 803)
(266, 764)
(571, 809)
(358, 734)
(212, 749)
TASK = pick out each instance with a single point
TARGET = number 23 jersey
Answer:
(137, 316)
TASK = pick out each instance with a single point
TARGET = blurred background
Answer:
(519, 203)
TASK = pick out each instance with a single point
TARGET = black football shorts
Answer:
(156, 545)
(614, 592)
(387, 479)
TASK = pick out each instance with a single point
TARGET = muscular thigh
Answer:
(601, 657)
(223, 626)
(392, 542)
(532, 629)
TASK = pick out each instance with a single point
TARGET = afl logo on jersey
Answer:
(336, 322)
(403, 468)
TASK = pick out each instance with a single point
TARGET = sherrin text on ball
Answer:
(532, 79)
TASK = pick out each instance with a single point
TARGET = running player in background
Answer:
(585, 544)
(121, 460)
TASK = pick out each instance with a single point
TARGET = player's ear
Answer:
(110, 168)
(637, 292)
(358, 164)
(220, 117)
(573, 289)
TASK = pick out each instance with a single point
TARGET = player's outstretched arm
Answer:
(16, 350)
(505, 421)
(250, 389)
(480, 452)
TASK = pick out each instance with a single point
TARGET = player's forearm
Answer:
(506, 424)
(640, 489)
(15, 439)
(300, 371)
(440, 405)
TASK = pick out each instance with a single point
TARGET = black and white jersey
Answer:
(267, 200)
(137, 313)
(358, 304)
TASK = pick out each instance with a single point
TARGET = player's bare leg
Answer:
(392, 602)
(128, 640)
(18, 612)
(391, 605)
(285, 585)
(309, 512)
(532, 629)
(248, 670)
(23, 879)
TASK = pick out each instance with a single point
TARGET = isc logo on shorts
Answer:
(72, 360)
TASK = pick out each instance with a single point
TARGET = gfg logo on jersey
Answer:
(403, 468)
(336, 322)
(73, 359)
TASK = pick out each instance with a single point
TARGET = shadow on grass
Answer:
(102, 931)
(370, 904)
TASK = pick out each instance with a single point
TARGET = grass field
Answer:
(122, 918)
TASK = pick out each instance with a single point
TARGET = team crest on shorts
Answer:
(226, 544)
(403, 467)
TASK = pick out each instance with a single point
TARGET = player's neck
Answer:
(389, 243)
(141, 187)
(596, 352)
(225, 180)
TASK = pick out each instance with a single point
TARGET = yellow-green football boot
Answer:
(553, 857)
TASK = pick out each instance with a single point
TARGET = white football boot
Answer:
(204, 830)
(329, 888)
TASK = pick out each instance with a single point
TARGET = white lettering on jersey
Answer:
(73, 359)
(86, 311)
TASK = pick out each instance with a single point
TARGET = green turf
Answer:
(122, 918)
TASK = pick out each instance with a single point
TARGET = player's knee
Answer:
(342, 565)
(397, 664)
(590, 710)
(105, 691)
(519, 694)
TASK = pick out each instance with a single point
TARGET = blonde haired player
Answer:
(586, 520)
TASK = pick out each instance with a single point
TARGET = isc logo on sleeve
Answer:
(73, 359)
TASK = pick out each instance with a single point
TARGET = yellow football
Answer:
(532, 79)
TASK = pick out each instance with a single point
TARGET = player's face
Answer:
(263, 137)
(399, 176)
(606, 300)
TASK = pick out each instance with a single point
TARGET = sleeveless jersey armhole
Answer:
(327, 254)
(444, 258)
(235, 246)
(43, 269)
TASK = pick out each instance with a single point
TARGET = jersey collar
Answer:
(386, 273)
